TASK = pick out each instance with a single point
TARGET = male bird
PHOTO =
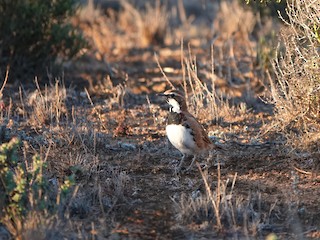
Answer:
(183, 130)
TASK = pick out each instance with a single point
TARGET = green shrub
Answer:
(33, 33)
(26, 194)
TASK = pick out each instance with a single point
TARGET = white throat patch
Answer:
(175, 106)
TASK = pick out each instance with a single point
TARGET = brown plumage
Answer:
(183, 130)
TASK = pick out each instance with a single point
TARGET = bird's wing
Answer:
(200, 135)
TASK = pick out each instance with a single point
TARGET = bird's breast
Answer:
(181, 137)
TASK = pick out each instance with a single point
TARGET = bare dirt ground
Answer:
(112, 138)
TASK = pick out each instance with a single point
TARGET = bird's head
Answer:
(176, 100)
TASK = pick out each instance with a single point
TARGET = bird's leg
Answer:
(181, 162)
(193, 160)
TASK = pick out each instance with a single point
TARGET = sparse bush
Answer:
(297, 67)
(34, 33)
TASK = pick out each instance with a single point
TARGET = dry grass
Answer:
(68, 143)
(296, 67)
(107, 140)
(239, 217)
(129, 28)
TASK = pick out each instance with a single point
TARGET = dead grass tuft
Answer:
(48, 106)
(150, 25)
(123, 29)
(234, 19)
(219, 208)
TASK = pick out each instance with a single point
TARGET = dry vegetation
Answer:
(84, 155)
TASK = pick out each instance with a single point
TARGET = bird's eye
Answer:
(171, 95)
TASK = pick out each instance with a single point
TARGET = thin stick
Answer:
(22, 102)
(183, 68)
(218, 190)
(233, 182)
(215, 207)
(182, 12)
(153, 115)
(101, 201)
(301, 171)
(94, 108)
(47, 154)
(157, 60)
(5, 79)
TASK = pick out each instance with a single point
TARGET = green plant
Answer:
(316, 31)
(8, 159)
(25, 191)
(35, 32)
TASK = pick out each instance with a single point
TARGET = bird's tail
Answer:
(218, 147)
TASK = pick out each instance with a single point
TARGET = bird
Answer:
(183, 130)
